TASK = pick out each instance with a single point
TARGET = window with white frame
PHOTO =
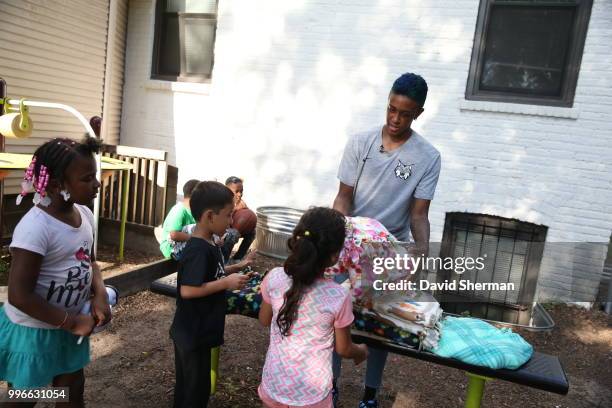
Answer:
(184, 40)
(528, 51)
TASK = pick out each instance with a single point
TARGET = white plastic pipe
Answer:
(85, 123)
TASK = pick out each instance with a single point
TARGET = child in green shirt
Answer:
(174, 239)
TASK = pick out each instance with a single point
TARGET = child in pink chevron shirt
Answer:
(309, 316)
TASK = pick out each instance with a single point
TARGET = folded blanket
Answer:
(417, 313)
(479, 343)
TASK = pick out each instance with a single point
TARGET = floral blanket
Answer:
(247, 302)
(368, 241)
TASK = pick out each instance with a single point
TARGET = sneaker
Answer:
(368, 404)
(335, 396)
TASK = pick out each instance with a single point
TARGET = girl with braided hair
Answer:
(53, 273)
(309, 316)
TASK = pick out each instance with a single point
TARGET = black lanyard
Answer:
(362, 166)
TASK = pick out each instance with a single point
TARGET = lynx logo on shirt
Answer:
(72, 291)
(402, 170)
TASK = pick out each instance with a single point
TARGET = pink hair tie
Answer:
(41, 197)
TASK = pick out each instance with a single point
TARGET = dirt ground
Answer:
(133, 364)
(109, 265)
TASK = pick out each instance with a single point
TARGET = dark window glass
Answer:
(170, 48)
(526, 49)
(528, 52)
(184, 40)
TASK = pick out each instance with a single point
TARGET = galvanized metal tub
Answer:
(274, 227)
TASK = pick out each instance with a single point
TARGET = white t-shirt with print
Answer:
(65, 273)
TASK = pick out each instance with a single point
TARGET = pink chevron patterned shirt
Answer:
(298, 368)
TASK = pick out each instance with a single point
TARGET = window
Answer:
(184, 40)
(528, 51)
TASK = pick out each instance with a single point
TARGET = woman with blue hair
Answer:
(390, 173)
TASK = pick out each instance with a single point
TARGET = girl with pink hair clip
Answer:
(53, 273)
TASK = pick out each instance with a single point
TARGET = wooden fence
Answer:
(151, 186)
(152, 191)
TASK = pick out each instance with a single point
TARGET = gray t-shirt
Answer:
(389, 180)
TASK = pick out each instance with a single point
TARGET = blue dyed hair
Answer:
(412, 86)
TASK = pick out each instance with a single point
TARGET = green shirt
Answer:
(177, 218)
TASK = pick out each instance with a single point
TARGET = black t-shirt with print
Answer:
(199, 321)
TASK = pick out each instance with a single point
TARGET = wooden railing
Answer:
(151, 186)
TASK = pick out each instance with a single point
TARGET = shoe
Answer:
(335, 396)
(368, 404)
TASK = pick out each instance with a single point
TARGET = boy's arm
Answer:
(247, 261)
(179, 236)
(174, 223)
(207, 289)
(230, 269)
(232, 282)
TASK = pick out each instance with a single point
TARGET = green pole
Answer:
(475, 390)
(124, 208)
(214, 368)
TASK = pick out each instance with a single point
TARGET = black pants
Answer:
(230, 241)
(247, 240)
(192, 388)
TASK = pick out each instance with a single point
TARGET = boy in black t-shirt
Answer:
(199, 320)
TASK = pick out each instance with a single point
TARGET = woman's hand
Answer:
(100, 309)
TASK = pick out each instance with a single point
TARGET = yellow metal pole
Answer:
(124, 208)
(214, 369)
(475, 390)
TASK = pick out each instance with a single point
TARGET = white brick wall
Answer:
(292, 79)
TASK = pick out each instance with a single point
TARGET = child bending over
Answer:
(309, 315)
(232, 235)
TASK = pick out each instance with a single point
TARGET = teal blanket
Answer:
(479, 343)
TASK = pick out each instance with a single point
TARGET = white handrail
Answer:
(91, 133)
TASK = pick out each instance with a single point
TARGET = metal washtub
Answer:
(274, 226)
